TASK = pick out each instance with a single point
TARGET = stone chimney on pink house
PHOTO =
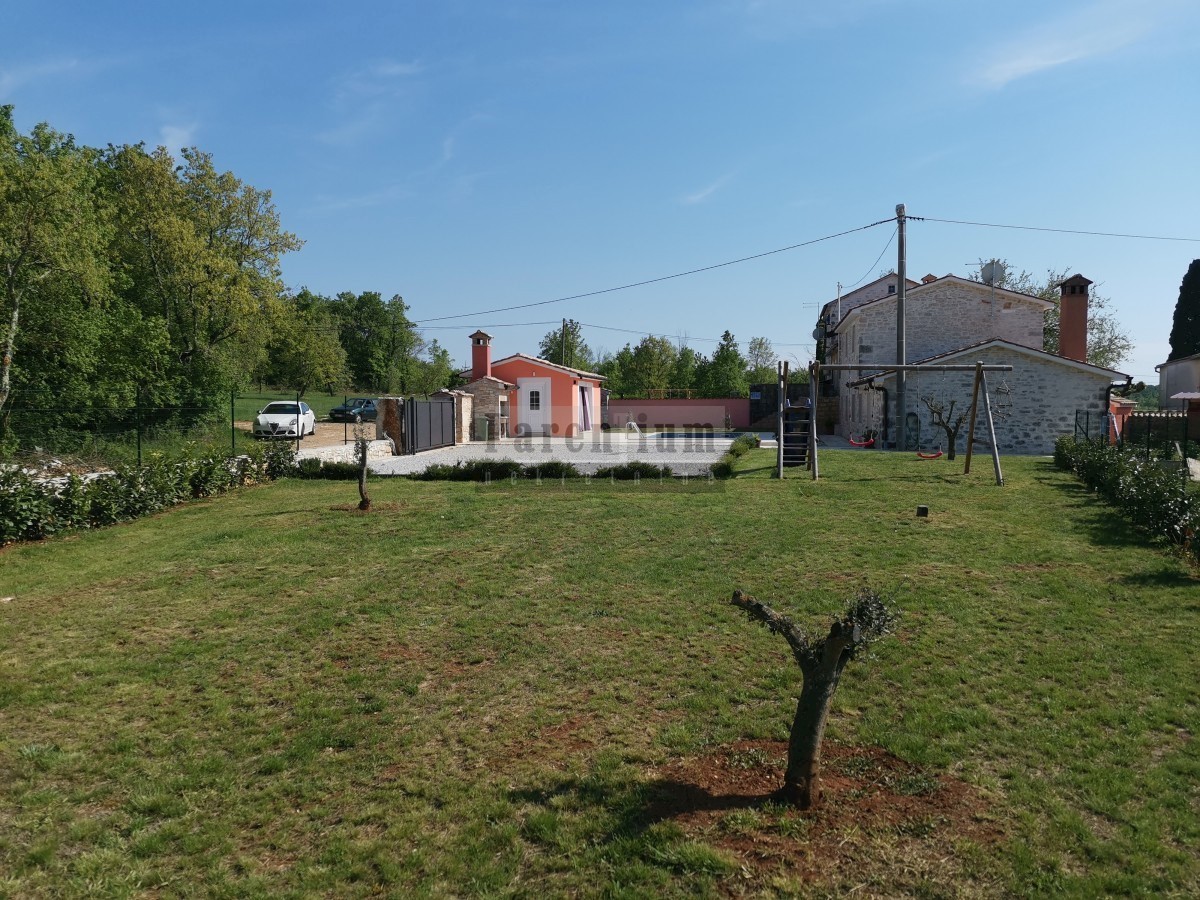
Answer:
(481, 355)
(1073, 318)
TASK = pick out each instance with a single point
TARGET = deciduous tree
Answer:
(575, 353)
(54, 231)
(1108, 343)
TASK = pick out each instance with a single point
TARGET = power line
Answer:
(877, 259)
(1140, 237)
(625, 287)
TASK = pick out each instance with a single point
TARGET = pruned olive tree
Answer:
(821, 659)
(942, 415)
(362, 445)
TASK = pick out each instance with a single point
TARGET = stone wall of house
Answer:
(1032, 406)
(939, 317)
(486, 393)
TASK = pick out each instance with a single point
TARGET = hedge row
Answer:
(33, 509)
(1152, 497)
(739, 448)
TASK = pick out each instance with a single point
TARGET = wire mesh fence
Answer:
(32, 425)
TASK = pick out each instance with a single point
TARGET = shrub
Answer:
(332, 471)
(1153, 499)
(472, 470)
(553, 469)
(31, 509)
(631, 470)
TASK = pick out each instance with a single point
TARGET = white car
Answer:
(285, 419)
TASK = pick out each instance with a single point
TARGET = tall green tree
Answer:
(575, 353)
(687, 364)
(54, 231)
(725, 374)
(304, 350)
(1185, 327)
(199, 252)
(761, 361)
(618, 369)
(1107, 344)
(652, 365)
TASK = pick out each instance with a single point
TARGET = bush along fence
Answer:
(501, 469)
(1151, 496)
(32, 508)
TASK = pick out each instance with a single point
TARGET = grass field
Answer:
(536, 690)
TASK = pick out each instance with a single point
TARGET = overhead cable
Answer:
(625, 287)
(1112, 234)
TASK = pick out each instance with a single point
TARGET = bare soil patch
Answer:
(329, 434)
(881, 821)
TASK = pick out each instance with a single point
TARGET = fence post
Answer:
(232, 425)
(138, 419)
(1183, 462)
(299, 424)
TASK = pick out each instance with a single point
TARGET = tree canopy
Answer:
(576, 354)
(1185, 326)
(1107, 344)
(132, 276)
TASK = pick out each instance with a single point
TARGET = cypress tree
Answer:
(1185, 330)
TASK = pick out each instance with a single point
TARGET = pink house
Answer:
(540, 397)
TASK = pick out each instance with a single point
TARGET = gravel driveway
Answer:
(685, 456)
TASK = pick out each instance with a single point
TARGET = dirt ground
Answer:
(882, 825)
(329, 434)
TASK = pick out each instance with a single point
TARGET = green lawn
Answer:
(246, 406)
(484, 690)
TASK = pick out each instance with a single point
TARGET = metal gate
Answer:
(428, 424)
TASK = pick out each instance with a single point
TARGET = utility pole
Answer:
(901, 350)
(564, 343)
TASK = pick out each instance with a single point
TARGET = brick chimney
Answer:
(1073, 318)
(481, 355)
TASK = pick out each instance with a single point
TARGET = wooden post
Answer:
(987, 408)
(779, 429)
(814, 373)
(974, 410)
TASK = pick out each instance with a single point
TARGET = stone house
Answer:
(955, 321)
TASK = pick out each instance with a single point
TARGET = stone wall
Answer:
(939, 317)
(487, 393)
(1040, 406)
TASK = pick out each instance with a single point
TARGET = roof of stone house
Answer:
(1009, 345)
(918, 288)
(579, 373)
(466, 373)
(909, 283)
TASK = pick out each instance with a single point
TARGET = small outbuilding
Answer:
(526, 395)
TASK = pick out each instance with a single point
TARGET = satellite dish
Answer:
(992, 272)
(818, 333)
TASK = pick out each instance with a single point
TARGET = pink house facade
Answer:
(541, 397)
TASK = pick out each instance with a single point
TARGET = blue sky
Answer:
(476, 155)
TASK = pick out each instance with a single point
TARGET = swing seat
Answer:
(868, 442)
(934, 455)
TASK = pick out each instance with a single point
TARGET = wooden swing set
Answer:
(798, 422)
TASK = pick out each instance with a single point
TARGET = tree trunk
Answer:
(10, 342)
(801, 784)
(364, 503)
